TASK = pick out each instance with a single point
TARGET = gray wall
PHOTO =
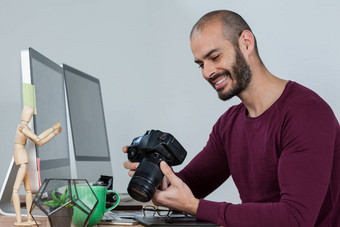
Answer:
(140, 51)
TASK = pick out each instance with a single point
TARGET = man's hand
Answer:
(131, 166)
(177, 195)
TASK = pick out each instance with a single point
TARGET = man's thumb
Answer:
(167, 171)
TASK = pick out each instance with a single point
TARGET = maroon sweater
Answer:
(285, 164)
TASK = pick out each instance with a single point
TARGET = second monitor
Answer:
(87, 121)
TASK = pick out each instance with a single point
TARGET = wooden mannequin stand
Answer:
(23, 133)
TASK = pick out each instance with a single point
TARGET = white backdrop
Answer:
(140, 51)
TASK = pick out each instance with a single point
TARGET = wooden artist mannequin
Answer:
(21, 159)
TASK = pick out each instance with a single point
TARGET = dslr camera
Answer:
(150, 149)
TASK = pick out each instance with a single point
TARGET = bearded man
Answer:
(281, 144)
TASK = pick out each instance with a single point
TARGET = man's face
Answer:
(222, 64)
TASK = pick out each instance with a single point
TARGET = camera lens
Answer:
(146, 179)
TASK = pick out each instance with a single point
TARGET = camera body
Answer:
(150, 149)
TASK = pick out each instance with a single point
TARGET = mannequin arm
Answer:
(43, 137)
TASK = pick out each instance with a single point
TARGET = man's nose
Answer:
(208, 71)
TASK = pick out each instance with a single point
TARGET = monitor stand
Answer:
(6, 207)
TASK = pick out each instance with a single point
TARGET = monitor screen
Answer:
(87, 121)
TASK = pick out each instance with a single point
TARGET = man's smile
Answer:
(220, 82)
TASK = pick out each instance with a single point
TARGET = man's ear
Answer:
(247, 43)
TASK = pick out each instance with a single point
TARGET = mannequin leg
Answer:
(22, 176)
(29, 199)
(15, 196)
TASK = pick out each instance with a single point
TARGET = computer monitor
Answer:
(87, 122)
(43, 88)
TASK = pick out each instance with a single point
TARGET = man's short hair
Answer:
(232, 22)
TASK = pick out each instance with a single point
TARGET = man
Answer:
(281, 145)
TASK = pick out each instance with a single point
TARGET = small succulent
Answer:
(59, 199)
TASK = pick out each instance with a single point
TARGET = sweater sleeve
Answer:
(309, 137)
(209, 169)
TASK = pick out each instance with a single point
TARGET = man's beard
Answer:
(241, 75)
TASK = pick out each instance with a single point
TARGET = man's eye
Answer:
(200, 66)
(215, 57)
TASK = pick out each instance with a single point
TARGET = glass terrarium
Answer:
(63, 203)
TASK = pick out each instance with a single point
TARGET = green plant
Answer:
(59, 199)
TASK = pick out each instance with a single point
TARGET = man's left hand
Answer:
(178, 195)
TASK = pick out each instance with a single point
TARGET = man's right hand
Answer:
(131, 166)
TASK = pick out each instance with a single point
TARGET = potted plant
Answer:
(59, 198)
(60, 214)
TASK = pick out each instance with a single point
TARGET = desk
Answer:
(8, 221)
(125, 204)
